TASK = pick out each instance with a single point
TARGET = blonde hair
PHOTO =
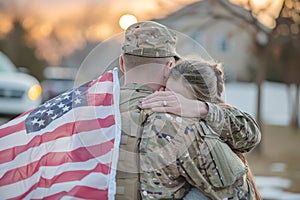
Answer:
(206, 79)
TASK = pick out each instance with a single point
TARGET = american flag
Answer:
(66, 148)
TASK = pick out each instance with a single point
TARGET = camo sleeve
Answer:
(160, 178)
(238, 129)
(215, 117)
(173, 156)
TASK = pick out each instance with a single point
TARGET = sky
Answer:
(57, 28)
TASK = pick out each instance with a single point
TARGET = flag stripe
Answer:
(79, 114)
(67, 148)
(68, 129)
(55, 159)
(11, 129)
(108, 76)
(66, 144)
(36, 192)
(91, 182)
(67, 197)
(54, 171)
(101, 87)
(72, 176)
(83, 192)
(11, 123)
(100, 99)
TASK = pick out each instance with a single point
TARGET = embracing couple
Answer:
(180, 140)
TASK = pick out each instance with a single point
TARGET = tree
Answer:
(277, 49)
(283, 52)
(21, 55)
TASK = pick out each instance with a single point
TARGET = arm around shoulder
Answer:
(241, 131)
(237, 128)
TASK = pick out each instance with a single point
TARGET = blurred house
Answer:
(220, 28)
(217, 25)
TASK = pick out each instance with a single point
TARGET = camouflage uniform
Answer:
(150, 39)
(174, 155)
(145, 39)
(132, 117)
(236, 128)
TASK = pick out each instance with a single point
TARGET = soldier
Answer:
(148, 54)
(178, 152)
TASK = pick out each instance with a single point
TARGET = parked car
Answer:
(19, 92)
(58, 80)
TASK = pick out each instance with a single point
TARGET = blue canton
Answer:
(53, 109)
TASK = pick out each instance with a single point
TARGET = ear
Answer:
(168, 68)
(170, 64)
(121, 62)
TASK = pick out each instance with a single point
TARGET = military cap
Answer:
(149, 39)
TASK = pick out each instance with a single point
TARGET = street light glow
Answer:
(126, 20)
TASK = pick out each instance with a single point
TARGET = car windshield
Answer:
(5, 64)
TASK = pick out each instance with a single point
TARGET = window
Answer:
(224, 44)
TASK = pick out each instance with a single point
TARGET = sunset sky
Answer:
(58, 27)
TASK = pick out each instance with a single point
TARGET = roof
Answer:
(205, 12)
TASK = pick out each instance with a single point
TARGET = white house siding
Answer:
(226, 38)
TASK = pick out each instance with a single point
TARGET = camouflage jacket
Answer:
(173, 154)
(238, 129)
(132, 117)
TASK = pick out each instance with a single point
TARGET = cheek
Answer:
(168, 86)
(172, 87)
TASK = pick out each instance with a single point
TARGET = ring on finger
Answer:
(165, 103)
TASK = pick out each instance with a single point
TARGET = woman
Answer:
(203, 81)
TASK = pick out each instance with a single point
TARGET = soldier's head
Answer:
(148, 49)
(197, 79)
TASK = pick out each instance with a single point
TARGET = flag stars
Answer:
(66, 108)
(77, 92)
(67, 97)
(66, 93)
(41, 122)
(56, 108)
(40, 111)
(48, 104)
(50, 112)
(61, 105)
(77, 101)
(34, 121)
